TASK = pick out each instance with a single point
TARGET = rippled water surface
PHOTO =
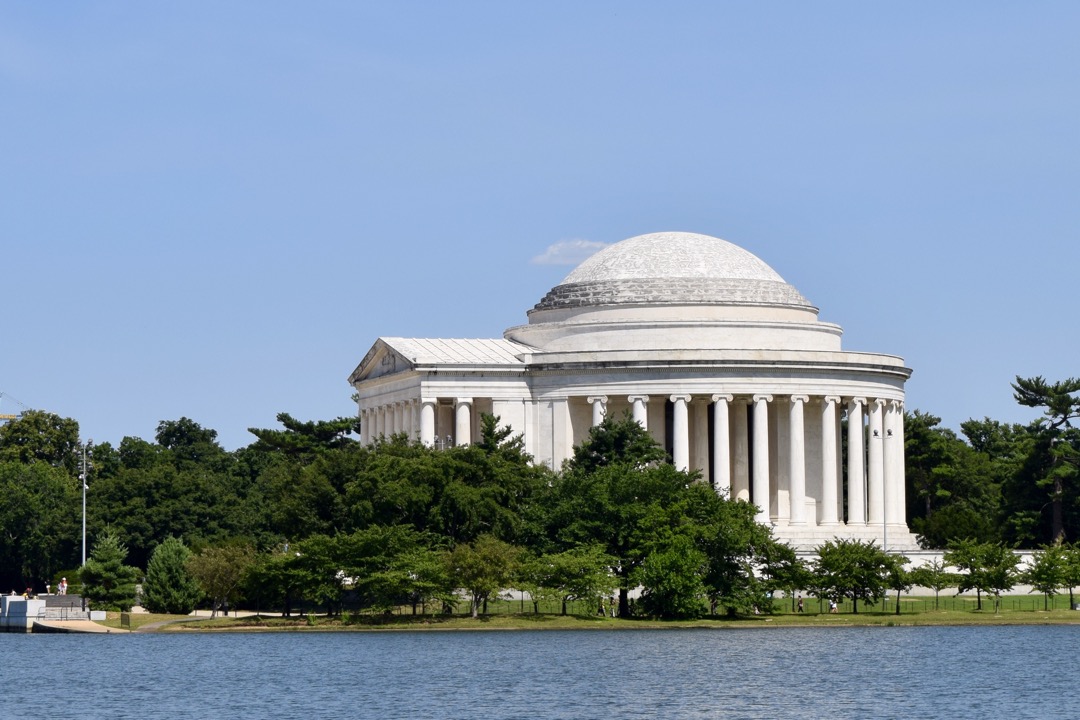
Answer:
(989, 672)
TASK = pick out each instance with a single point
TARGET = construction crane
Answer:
(7, 417)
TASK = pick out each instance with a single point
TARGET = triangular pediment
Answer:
(382, 359)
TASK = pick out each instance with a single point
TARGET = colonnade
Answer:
(416, 418)
(785, 453)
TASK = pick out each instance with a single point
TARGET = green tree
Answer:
(220, 572)
(275, 580)
(1047, 571)
(459, 494)
(935, 576)
(617, 493)
(483, 568)
(1060, 407)
(1071, 570)
(389, 566)
(169, 586)
(743, 561)
(190, 444)
(107, 582)
(671, 580)
(781, 569)
(985, 567)
(39, 523)
(952, 489)
(853, 569)
(581, 573)
(897, 577)
(38, 436)
(304, 441)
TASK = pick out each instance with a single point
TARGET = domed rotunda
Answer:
(724, 363)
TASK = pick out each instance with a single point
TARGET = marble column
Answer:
(380, 422)
(894, 464)
(797, 458)
(760, 474)
(463, 421)
(856, 463)
(599, 408)
(427, 421)
(830, 480)
(721, 445)
(901, 470)
(397, 414)
(740, 451)
(362, 414)
(680, 435)
(639, 405)
(875, 471)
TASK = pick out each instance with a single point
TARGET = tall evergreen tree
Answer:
(169, 586)
(107, 582)
(1058, 443)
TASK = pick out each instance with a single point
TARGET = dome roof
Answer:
(672, 268)
(672, 255)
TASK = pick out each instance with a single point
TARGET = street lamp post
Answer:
(86, 450)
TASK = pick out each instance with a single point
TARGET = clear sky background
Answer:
(213, 209)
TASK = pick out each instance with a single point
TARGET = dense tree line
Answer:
(306, 515)
(1008, 483)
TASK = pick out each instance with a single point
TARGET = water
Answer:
(983, 672)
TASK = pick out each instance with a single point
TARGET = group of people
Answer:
(800, 608)
(61, 589)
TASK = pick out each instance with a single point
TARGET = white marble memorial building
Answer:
(724, 363)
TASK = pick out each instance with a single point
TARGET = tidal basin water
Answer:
(987, 672)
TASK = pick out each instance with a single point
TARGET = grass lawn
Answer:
(544, 621)
(515, 615)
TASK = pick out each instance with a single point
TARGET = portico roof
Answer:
(457, 351)
(391, 355)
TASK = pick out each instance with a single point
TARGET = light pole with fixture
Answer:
(86, 450)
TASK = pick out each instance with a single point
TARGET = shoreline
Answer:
(547, 623)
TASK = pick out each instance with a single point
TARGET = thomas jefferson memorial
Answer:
(706, 346)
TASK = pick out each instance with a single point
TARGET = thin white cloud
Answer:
(568, 252)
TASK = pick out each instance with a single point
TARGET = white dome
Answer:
(672, 255)
(674, 292)
(672, 268)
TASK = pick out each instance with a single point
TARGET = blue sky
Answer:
(213, 209)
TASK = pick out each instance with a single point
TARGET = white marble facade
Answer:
(724, 363)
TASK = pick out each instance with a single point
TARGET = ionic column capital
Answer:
(599, 408)
(637, 398)
(762, 398)
(725, 398)
(684, 398)
(857, 401)
(800, 399)
(834, 399)
(458, 402)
